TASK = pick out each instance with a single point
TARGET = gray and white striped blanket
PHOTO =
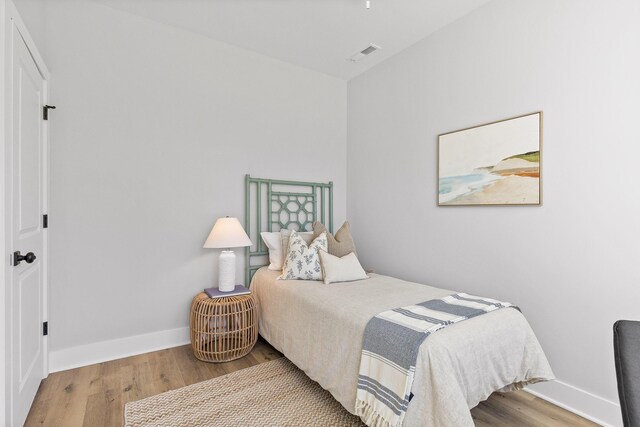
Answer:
(390, 351)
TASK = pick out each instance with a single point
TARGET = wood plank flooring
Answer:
(94, 396)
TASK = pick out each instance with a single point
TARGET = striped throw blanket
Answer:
(391, 343)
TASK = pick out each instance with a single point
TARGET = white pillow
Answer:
(307, 236)
(345, 269)
(303, 262)
(273, 240)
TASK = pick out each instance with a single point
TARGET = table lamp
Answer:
(227, 233)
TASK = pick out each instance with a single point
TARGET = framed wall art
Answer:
(493, 164)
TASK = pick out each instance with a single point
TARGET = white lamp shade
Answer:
(227, 233)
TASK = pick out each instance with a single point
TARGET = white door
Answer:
(27, 179)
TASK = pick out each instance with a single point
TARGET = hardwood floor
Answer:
(95, 395)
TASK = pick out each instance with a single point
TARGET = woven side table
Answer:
(223, 329)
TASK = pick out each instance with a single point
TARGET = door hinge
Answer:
(45, 328)
(45, 221)
(45, 111)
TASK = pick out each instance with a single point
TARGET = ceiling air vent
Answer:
(364, 52)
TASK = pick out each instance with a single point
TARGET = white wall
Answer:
(570, 264)
(154, 132)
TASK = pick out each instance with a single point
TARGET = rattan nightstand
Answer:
(223, 329)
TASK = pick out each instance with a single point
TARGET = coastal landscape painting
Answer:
(492, 164)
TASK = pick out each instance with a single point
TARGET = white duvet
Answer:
(320, 328)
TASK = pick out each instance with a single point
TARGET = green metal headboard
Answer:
(273, 205)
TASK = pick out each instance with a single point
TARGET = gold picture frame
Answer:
(492, 164)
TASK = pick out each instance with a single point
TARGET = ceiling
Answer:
(320, 35)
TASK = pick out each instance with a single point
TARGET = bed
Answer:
(320, 327)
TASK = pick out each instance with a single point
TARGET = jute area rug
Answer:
(274, 393)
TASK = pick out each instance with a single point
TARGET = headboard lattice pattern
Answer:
(273, 205)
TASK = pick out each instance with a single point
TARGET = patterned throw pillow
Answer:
(307, 236)
(303, 261)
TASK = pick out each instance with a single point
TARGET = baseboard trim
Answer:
(103, 351)
(581, 402)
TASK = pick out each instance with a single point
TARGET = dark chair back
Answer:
(626, 344)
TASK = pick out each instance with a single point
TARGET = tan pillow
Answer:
(339, 245)
(345, 269)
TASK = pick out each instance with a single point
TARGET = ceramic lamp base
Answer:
(227, 271)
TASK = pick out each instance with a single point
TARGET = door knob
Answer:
(18, 258)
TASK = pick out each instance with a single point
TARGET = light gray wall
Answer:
(33, 13)
(154, 132)
(570, 264)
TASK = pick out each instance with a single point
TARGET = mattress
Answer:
(320, 329)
